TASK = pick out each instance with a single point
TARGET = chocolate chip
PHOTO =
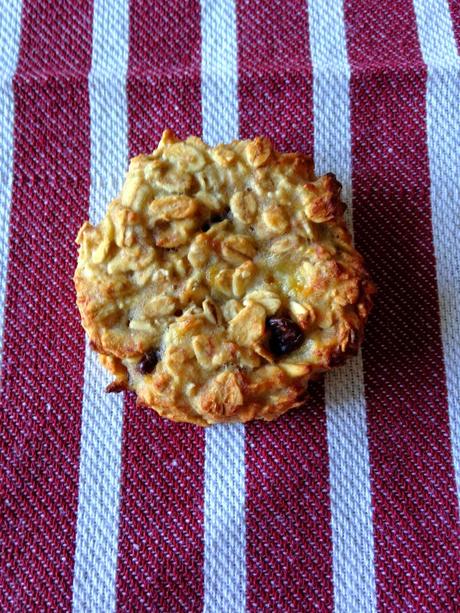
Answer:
(148, 362)
(284, 335)
(212, 220)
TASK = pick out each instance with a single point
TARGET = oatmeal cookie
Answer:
(221, 280)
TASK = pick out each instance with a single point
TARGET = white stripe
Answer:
(224, 520)
(9, 48)
(94, 586)
(351, 509)
(224, 496)
(435, 32)
(439, 51)
(219, 75)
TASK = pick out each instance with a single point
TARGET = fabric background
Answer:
(348, 504)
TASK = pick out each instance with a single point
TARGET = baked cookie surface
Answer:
(221, 280)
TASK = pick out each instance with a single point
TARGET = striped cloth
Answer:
(348, 505)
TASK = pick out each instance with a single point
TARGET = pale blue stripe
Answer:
(224, 520)
(435, 32)
(9, 49)
(351, 508)
(219, 74)
(94, 586)
(440, 53)
(224, 504)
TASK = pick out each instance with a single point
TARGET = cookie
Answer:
(221, 280)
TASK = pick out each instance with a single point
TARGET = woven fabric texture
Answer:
(349, 504)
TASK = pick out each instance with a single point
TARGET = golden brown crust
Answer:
(221, 280)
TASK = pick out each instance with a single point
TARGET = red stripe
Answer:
(289, 551)
(275, 87)
(43, 342)
(455, 14)
(415, 511)
(160, 561)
